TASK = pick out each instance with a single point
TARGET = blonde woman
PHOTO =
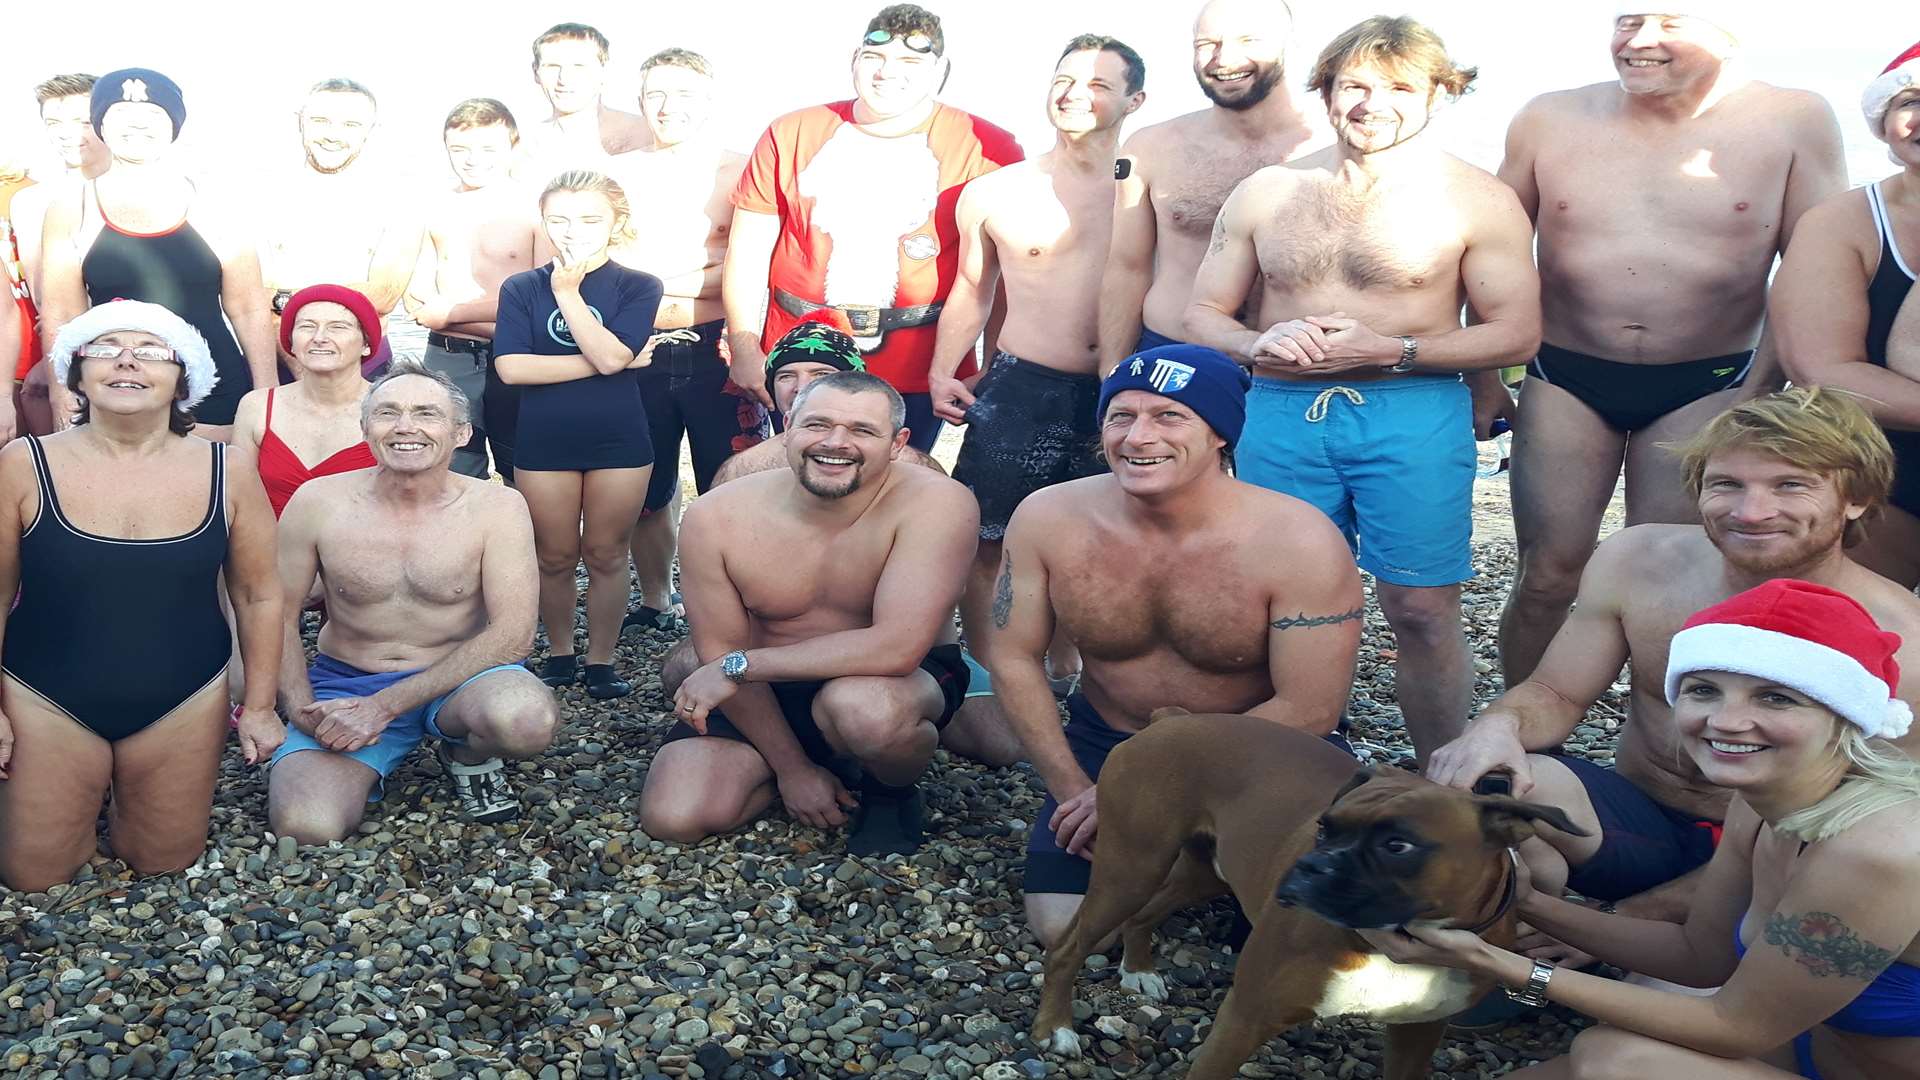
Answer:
(573, 335)
(1808, 914)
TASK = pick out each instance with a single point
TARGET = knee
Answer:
(677, 819)
(1048, 922)
(526, 729)
(680, 663)
(1549, 577)
(169, 857)
(556, 562)
(1424, 614)
(980, 731)
(312, 823)
(30, 874)
(1605, 1053)
(607, 558)
(869, 722)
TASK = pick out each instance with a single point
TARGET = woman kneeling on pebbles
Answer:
(1807, 917)
(116, 534)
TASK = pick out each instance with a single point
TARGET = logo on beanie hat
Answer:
(134, 90)
(1170, 376)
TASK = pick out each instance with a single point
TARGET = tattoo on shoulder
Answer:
(1304, 619)
(1219, 241)
(1003, 594)
(1826, 946)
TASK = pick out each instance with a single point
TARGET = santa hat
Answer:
(1894, 78)
(1725, 15)
(1804, 636)
(188, 346)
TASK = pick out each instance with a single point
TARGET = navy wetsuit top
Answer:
(592, 423)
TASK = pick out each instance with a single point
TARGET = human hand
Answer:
(1349, 345)
(1291, 344)
(951, 397)
(1431, 946)
(435, 315)
(1075, 823)
(1490, 744)
(261, 733)
(814, 795)
(702, 692)
(1492, 403)
(567, 274)
(347, 724)
(748, 369)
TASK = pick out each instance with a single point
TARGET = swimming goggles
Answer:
(915, 40)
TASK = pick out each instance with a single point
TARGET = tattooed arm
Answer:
(1314, 616)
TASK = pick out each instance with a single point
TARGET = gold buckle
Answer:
(863, 319)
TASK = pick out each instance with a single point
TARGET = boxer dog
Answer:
(1314, 848)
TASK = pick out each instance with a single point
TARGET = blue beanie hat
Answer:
(141, 85)
(1202, 379)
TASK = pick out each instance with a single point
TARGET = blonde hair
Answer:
(1398, 44)
(1811, 427)
(588, 180)
(1879, 775)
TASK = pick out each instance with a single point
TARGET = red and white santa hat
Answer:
(1800, 635)
(1896, 77)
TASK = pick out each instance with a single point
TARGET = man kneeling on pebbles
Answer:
(430, 586)
(817, 596)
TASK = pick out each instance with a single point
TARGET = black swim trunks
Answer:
(1630, 397)
(944, 662)
(1030, 426)
(1642, 842)
(1051, 868)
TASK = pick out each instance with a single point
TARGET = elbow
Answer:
(612, 365)
(509, 372)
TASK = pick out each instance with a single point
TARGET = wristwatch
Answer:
(734, 666)
(280, 298)
(1534, 994)
(1409, 353)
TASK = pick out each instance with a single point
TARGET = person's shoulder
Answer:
(250, 414)
(531, 280)
(1062, 503)
(995, 141)
(928, 487)
(788, 125)
(1169, 133)
(494, 498)
(1646, 553)
(1883, 846)
(1783, 104)
(1843, 216)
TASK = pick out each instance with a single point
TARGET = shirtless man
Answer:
(682, 186)
(817, 598)
(430, 584)
(804, 354)
(483, 231)
(1163, 574)
(1661, 200)
(1784, 485)
(1364, 253)
(1041, 227)
(1180, 171)
(570, 66)
(337, 220)
(64, 116)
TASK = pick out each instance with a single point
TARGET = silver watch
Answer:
(734, 666)
(1535, 992)
(1409, 355)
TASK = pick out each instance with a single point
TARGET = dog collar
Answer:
(1506, 895)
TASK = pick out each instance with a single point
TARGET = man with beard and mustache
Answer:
(1784, 484)
(1363, 254)
(1661, 198)
(817, 597)
(1179, 172)
(339, 220)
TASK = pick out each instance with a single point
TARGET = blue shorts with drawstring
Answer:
(1391, 462)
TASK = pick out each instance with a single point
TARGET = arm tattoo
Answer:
(1826, 946)
(1219, 241)
(1303, 619)
(1003, 594)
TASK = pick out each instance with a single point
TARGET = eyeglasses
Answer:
(146, 354)
(915, 40)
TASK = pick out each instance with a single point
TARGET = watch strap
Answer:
(1534, 994)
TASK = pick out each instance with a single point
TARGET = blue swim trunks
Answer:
(1390, 462)
(332, 679)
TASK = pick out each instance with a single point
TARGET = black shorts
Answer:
(1051, 868)
(1030, 426)
(944, 662)
(1642, 843)
(1630, 397)
(500, 416)
(684, 390)
(1152, 339)
(467, 362)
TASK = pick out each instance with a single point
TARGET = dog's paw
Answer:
(1148, 984)
(1063, 1043)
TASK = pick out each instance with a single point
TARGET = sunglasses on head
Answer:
(915, 40)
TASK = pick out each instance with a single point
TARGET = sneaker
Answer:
(484, 793)
(887, 825)
(561, 670)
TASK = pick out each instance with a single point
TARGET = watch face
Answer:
(733, 665)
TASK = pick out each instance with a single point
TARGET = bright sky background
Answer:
(244, 67)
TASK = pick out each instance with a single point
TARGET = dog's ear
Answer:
(1510, 821)
(1166, 712)
(1360, 776)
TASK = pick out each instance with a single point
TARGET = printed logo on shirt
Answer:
(557, 327)
(920, 247)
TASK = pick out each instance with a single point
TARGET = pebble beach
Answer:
(570, 945)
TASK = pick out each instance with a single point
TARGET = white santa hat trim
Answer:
(1879, 94)
(1723, 14)
(187, 344)
(1827, 675)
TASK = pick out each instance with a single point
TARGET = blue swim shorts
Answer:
(333, 679)
(1391, 463)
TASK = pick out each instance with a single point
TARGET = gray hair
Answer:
(462, 408)
(857, 382)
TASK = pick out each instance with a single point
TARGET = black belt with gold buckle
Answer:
(864, 320)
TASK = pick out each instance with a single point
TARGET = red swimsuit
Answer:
(282, 471)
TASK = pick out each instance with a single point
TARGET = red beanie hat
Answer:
(350, 299)
(1806, 636)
